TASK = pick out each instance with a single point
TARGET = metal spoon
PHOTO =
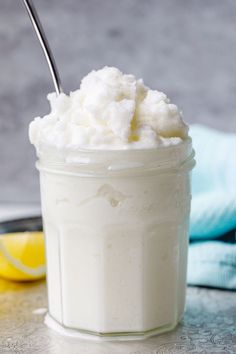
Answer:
(44, 44)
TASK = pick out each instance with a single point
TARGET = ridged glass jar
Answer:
(116, 226)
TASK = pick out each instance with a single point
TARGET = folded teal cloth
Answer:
(212, 254)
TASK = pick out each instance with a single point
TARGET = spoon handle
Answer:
(44, 44)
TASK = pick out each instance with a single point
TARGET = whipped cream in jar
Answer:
(115, 203)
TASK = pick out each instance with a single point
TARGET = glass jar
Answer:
(116, 226)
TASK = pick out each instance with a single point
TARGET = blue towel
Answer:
(212, 251)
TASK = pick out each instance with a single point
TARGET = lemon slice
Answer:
(22, 256)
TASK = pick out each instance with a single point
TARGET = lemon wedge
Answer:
(22, 256)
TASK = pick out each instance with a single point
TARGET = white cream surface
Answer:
(111, 110)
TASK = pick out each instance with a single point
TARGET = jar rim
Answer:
(114, 162)
(70, 155)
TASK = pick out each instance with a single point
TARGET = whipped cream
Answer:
(111, 110)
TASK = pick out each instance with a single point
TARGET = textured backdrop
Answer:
(186, 48)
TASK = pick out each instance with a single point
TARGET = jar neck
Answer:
(116, 162)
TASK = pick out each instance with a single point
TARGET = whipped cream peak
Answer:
(111, 110)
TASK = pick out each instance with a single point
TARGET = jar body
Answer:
(116, 250)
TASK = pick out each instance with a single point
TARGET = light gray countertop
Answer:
(208, 326)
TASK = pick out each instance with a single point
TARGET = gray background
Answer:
(186, 48)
